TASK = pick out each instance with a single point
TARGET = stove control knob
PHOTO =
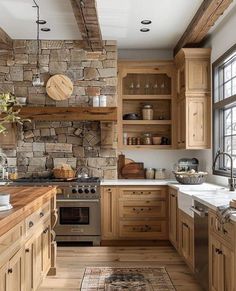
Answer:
(74, 190)
(93, 191)
(80, 191)
(86, 191)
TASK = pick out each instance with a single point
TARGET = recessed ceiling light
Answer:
(146, 21)
(41, 21)
(144, 29)
(45, 29)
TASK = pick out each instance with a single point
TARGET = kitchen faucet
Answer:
(232, 180)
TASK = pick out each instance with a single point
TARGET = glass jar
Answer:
(13, 174)
(147, 139)
(147, 112)
(149, 173)
(160, 174)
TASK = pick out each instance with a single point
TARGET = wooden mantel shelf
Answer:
(69, 113)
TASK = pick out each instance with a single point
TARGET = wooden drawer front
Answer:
(144, 193)
(226, 231)
(143, 209)
(143, 230)
(38, 216)
(11, 238)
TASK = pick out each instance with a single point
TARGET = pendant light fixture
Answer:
(36, 80)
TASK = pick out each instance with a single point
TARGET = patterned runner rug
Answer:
(118, 279)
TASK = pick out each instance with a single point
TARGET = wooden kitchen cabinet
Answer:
(222, 265)
(37, 257)
(143, 212)
(25, 252)
(222, 255)
(109, 213)
(29, 265)
(186, 238)
(12, 273)
(193, 98)
(134, 213)
(173, 217)
(15, 272)
(46, 249)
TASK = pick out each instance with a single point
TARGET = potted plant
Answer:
(8, 113)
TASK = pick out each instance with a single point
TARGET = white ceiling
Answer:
(120, 20)
(17, 18)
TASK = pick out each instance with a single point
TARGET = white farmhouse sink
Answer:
(185, 196)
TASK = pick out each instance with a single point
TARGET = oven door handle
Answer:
(76, 200)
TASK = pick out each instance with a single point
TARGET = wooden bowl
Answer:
(156, 140)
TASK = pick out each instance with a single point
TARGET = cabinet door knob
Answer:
(27, 250)
(41, 214)
(225, 231)
(46, 230)
(31, 223)
(9, 271)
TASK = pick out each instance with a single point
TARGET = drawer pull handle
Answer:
(218, 251)
(185, 224)
(27, 250)
(172, 195)
(46, 230)
(225, 231)
(31, 224)
(9, 271)
(41, 214)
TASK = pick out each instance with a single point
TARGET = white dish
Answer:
(4, 198)
(5, 207)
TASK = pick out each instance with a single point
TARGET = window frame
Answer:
(218, 113)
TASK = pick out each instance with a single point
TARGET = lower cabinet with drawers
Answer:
(134, 213)
(25, 252)
(222, 255)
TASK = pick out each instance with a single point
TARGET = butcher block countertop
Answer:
(25, 200)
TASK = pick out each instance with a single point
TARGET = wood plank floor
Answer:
(72, 261)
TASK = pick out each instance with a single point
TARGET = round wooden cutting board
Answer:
(59, 87)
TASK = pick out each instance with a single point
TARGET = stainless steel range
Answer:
(78, 204)
(79, 210)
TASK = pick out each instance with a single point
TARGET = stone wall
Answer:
(42, 145)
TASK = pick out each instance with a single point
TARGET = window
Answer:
(224, 109)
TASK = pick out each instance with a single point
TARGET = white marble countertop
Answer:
(136, 182)
(208, 194)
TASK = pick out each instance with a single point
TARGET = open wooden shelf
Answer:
(146, 85)
(147, 97)
(69, 113)
(147, 122)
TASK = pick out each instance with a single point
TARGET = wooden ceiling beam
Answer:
(5, 40)
(203, 20)
(85, 12)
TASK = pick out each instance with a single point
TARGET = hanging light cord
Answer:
(38, 40)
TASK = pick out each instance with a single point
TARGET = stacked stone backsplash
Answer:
(42, 145)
